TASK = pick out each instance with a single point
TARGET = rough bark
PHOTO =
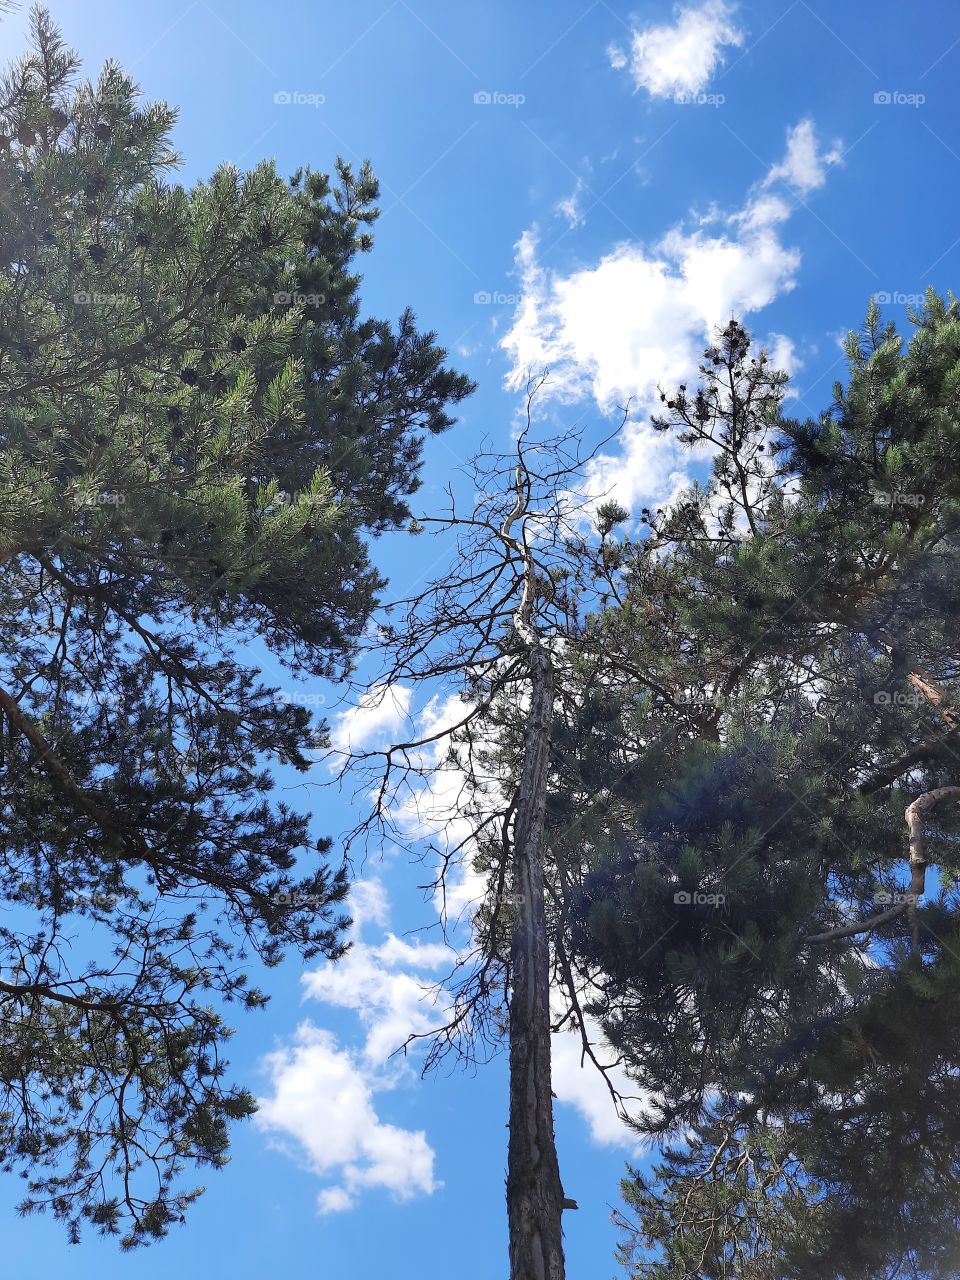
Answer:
(534, 1190)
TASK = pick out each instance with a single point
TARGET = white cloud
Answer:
(569, 207)
(615, 330)
(391, 988)
(322, 1105)
(436, 810)
(579, 1084)
(804, 167)
(323, 1100)
(378, 714)
(642, 315)
(783, 355)
(761, 213)
(675, 60)
(429, 804)
(334, 1200)
(368, 902)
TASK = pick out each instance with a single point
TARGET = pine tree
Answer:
(199, 432)
(747, 829)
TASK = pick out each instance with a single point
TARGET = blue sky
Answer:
(589, 186)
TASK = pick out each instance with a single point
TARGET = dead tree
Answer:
(499, 623)
(534, 1192)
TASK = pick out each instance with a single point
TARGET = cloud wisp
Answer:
(641, 316)
(678, 61)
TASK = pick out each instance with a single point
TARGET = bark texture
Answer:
(534, 1190)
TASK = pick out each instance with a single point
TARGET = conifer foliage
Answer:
(197, 430)
(753, 817)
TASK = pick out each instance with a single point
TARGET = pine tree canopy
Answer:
(199, 432)
(754, 827)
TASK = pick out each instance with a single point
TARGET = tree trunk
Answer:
(534, 1191)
